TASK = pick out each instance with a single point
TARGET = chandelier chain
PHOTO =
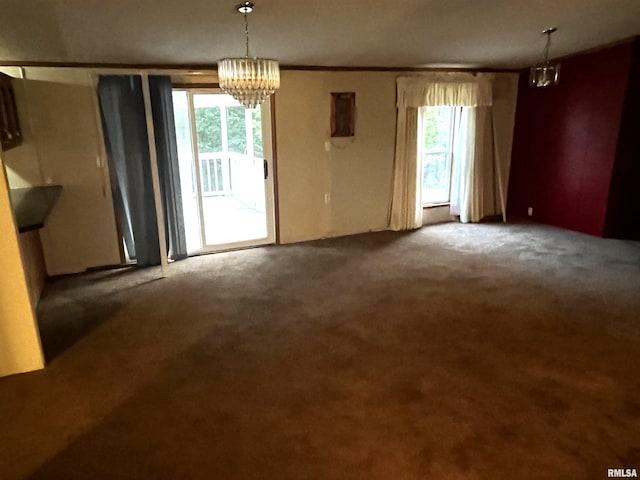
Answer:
(246, 34)
(546, 49)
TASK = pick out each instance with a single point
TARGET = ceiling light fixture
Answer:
(250, 80)
(546, 74)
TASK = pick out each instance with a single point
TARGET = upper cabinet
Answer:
(10, 133)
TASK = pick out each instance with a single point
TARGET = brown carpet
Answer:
(453, 352)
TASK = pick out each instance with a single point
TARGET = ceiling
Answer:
(384, 33)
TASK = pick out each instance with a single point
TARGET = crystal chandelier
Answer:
(546, 74)
(249, 80)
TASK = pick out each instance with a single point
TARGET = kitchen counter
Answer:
(33, 205)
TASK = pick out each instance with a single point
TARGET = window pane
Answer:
(435, 178)
(437, 123)
(183, 139)
(236, 130)
(188, 167)
(256, 127)
(209, 129)
(436, 154)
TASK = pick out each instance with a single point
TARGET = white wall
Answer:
(20, 349)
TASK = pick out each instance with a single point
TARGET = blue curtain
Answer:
(125, 131)
(168, 167)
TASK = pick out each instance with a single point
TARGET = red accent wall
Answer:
(565, 141)
(623, 213)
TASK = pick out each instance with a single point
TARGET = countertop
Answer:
(33, 205)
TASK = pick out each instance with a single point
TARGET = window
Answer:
(436, 141)
(229, 137)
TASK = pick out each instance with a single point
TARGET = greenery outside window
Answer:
(436, 142)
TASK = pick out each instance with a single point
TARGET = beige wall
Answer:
(62, 114)
(436, 215)
(355, 176)
(504, 115)
(22, 163)
(356, 173)
(20, 349)
(497, 152)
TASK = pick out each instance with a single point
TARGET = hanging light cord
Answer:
(246, 34)
(546, 49)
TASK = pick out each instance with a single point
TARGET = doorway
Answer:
(225, 160)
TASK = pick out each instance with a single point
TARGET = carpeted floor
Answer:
(453, 352)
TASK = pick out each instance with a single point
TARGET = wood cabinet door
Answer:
(10, 133)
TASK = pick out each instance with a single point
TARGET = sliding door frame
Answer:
(268, 140)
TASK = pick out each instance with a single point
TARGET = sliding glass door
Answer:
(225, 160)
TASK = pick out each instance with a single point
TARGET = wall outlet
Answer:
(530, 211)
(327, 198)
(327, 146)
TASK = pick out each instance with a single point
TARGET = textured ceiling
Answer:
(386, 33)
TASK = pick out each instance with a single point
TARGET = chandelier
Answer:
(249, 80)
(545, 74)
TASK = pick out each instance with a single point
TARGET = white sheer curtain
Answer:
(462, 172)
(474, 177)
(441, 89)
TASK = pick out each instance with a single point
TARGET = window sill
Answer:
(435, 205)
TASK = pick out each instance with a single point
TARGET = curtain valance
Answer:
(422, 91)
